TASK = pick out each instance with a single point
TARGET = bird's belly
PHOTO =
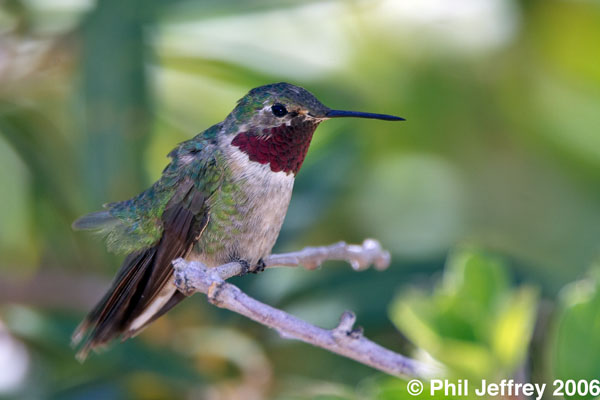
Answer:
(245, 217)
(264, 215)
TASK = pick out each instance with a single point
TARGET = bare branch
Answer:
(191, 277)
(359, 256)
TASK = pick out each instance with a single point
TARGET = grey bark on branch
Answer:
(192, 277)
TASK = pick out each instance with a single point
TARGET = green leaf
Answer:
(575, 350)
(514, 322)
(474, 322)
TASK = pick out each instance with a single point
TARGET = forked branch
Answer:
(192, 277)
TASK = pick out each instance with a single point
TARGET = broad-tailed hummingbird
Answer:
(222, 198)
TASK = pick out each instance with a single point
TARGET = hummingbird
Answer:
(222, 198)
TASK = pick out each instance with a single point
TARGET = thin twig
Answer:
(192, 277)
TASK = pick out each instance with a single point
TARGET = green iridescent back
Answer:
(136, 223)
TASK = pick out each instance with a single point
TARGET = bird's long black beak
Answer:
(358, 114)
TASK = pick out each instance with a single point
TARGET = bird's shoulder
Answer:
(193, 159)
(195, 171)
(196, 167)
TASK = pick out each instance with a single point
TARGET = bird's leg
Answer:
(259, 267)
(245, 267)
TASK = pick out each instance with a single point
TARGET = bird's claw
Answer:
(245, 267)
(259, 267)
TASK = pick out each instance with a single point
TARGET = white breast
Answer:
(249, 231)
(268, 196)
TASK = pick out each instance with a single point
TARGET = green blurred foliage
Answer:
(473, 322)
(574, 350)
(496, 170)
(394, 389)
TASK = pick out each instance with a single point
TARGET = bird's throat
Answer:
(283, 147)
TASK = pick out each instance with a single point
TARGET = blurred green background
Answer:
(488, 196)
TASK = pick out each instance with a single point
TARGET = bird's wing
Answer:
(137, 223)
(166, 221)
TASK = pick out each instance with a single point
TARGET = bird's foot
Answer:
(259, 267)
(245, 267)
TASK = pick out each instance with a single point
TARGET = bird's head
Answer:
(274, 124)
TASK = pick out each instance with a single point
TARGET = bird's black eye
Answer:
(279, 110)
